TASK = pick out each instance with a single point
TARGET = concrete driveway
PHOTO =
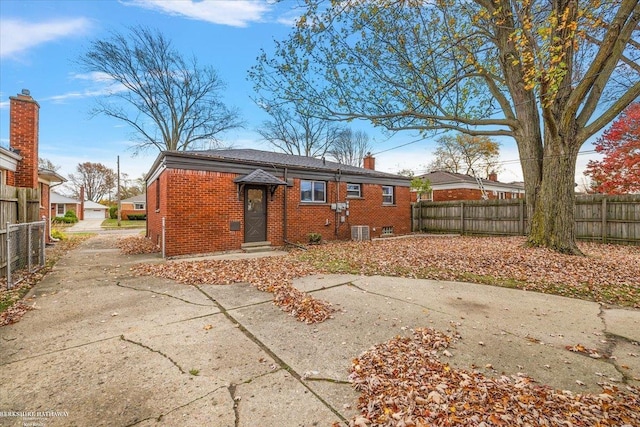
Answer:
(86, 226)
(104, 347)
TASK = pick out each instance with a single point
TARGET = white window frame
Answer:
(350, 192)
(313, 191)
(136, 206)
(387, 195)
(58, 206)
(387, 230)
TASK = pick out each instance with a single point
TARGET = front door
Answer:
(255, 214)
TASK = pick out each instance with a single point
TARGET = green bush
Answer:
(113, 212)
(71, 217)
(314, 238)
(64, 220)
(58, 235)
(136, 217)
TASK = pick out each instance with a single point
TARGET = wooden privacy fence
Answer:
(17, 205)
(608, 219)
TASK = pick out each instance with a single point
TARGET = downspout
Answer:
(284, 207)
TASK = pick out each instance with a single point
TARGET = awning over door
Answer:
(259, 177)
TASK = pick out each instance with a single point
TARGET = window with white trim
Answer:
(354, 190)
(60, 209)
(313, 191)
(502, 195)
(387, 231)
(387, 195)
(138, 206)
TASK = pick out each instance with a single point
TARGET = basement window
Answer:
(387, 231)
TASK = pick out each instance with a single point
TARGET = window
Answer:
(502, 195)
(354, 190)
(387, 231)
(387, 195)
(313, 191)
(60, 209)
(139, 206)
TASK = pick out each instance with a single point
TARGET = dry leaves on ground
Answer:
(14, 313)
(136, 245)
(269, 274)
(403, 383)
(608, 273)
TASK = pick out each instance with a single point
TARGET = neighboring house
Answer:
(60, 205)
(447, 186)
(224, 200)
(136, 205)
(19, 163)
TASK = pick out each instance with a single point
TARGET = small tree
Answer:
(420, 186)
(619, 171)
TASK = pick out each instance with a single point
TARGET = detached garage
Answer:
(93, 210)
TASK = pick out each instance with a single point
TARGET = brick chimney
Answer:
(493, 176)
(23, 137)
(369, 162)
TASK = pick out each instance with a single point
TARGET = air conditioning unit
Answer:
(360, 232)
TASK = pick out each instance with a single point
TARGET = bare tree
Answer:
(171, 103)
(97, 180)
(297, 133)
(466, 154)
(47, 164)
(350, 147)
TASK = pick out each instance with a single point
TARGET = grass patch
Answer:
(113, 223)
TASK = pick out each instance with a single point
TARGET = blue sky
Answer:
(40, 40)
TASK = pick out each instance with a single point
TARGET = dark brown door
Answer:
(255, 214)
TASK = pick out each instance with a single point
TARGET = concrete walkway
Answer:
(108, 348)
(86, 226)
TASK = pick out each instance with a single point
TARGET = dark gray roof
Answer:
(286, 160)
(445, 177)
(259, 176)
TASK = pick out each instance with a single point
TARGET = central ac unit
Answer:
(360, 232)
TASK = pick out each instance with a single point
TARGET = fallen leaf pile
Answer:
(136, 245)
(403, 383)
(270, 274)
(608, 273)
(14, 313)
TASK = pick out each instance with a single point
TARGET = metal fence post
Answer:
(163, 238)
(29, 248)
(8, 256)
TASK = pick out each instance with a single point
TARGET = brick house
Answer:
(224, 200)
(135, 205)
(60, 205)
(19, 164)
(446, 186)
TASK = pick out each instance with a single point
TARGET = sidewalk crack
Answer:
(162, 294)
(154, 351)
(275, 357)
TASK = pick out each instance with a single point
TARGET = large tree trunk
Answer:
(553, 223)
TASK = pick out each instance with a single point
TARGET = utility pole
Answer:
(118, 192)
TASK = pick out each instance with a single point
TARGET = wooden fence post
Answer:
(604, 219)
(461, 217)
(521, 213)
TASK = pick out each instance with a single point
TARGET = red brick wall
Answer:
(465, 194)
(23, 136)
(199, 206)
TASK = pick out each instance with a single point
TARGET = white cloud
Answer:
(18, 36)
(235, 13)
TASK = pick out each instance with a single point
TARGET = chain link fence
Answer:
(24, 250)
